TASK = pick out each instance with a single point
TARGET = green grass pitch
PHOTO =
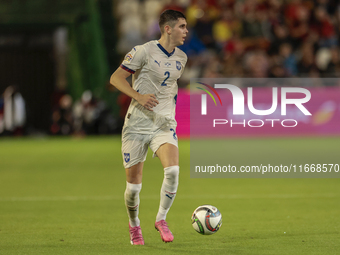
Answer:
(65, 196)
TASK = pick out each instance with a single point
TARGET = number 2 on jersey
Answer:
(167, 73)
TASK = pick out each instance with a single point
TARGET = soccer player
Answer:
(150, 120)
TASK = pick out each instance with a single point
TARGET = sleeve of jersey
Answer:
(184, 63)
(134, 60)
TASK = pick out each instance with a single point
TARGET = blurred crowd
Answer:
(87, 116)
(244, 38)
(12, 112)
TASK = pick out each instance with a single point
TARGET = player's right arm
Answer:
(118, 79)
(133, 61)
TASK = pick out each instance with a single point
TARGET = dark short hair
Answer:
(169, 17)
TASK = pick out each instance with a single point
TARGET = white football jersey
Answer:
(155, 71)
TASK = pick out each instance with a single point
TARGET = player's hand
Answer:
(148, 101)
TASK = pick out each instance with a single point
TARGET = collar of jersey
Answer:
(165, 51)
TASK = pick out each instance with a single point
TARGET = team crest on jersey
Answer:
(178, 65)
(127, 157)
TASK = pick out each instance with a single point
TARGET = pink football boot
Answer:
(164, 230)
(136, 237)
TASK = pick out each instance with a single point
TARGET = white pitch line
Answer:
(156, 197)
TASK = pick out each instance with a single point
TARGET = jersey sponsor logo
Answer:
(159, 64)
(178, 65)
(167, 64)
(127, 157)
(128, 58)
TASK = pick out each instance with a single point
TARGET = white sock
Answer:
(168, 191)
(131, 196)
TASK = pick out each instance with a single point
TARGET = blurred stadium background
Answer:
(64, 195)
(56, 57)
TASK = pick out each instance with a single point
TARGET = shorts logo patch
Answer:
(178, 65)
(127, 157)
(171, 129)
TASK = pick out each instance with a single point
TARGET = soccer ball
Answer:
(206, 219)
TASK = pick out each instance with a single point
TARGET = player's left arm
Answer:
(184, 63)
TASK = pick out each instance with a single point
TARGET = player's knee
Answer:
(132, 190)
(171, 174)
